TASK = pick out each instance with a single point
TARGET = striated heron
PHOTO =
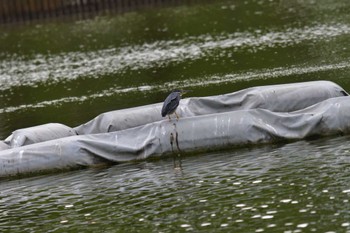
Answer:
(171, 102)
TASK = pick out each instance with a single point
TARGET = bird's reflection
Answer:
(177, 162)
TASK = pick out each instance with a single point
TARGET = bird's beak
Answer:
(185, 91)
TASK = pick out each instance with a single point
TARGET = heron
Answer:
(171, 103)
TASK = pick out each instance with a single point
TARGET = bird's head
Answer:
(181, 92)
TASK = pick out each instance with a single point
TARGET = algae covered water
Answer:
(69, 72)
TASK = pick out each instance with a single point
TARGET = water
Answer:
(301, 186)
(71, 72)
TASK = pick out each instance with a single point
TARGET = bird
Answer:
(171, 103)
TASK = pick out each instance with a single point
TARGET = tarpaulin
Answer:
(277, 98)
(251, 116)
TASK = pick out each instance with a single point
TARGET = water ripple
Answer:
(187, 83)
(19, 71)
(245, 190)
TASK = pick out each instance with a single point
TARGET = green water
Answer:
(70, 72)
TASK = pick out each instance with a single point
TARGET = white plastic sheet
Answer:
(31, 135)
(277, 98)
(251, 116)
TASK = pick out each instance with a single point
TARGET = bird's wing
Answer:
(170, 104)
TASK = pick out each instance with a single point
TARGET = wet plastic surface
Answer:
(277, 98)
(251, 116)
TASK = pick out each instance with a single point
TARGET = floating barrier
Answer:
(255, 115)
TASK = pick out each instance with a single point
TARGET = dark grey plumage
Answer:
(171, 103)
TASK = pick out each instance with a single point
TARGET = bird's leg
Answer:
(177, 117)
(169, 117)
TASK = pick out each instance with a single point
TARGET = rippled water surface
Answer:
(69, 72)
(301, 186)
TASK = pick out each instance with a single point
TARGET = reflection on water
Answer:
(270, 188)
